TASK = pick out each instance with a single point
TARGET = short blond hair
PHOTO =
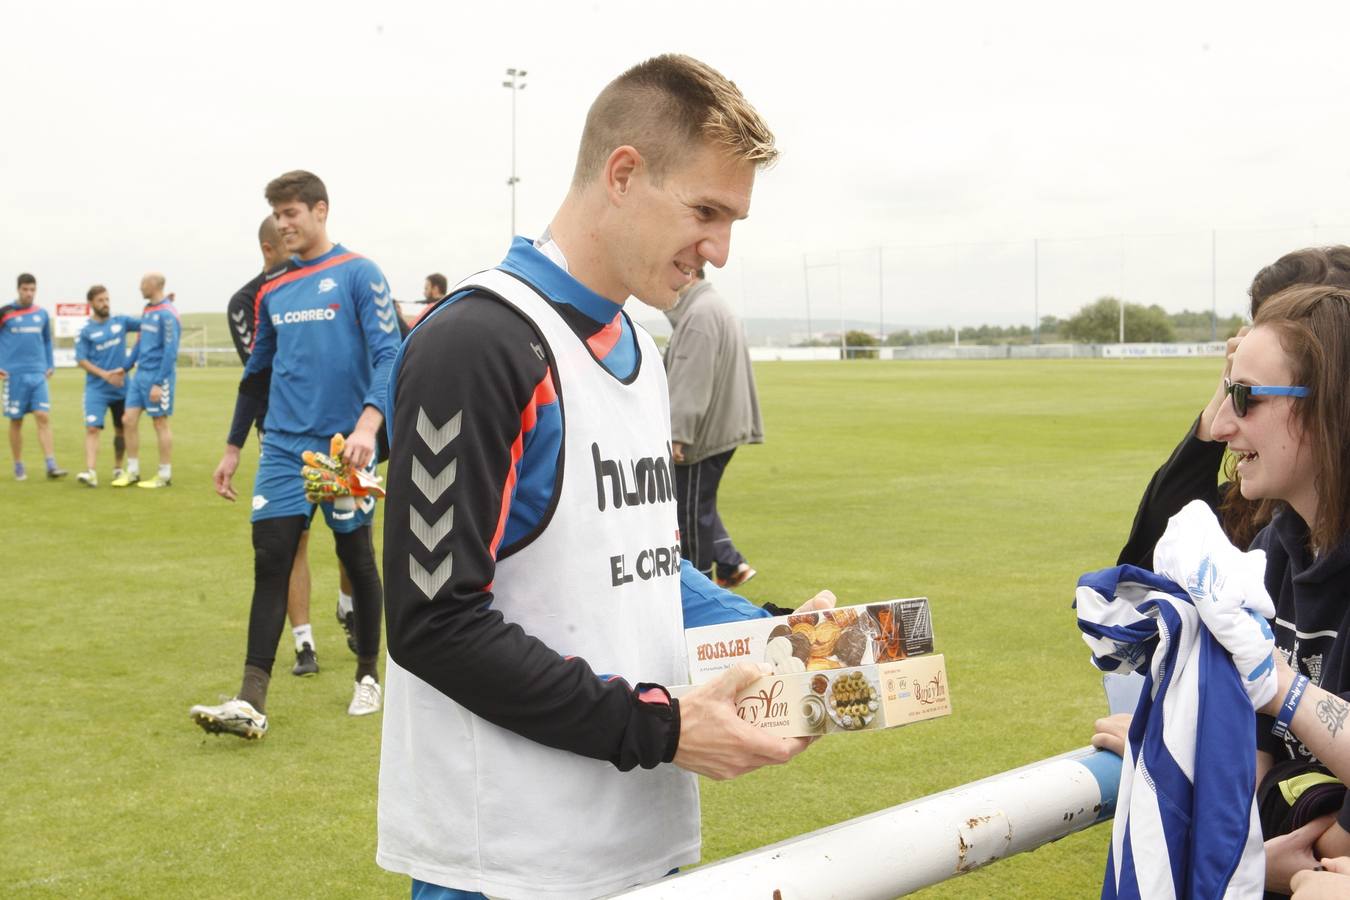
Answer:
(664, 105)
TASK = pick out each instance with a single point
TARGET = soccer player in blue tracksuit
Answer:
(328, 331)
(25, 365)
(151, 386)
(101, 350)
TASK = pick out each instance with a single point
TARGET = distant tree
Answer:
(857, 338)
(1201, 326)
(1186, 319)
(902, 338)
(978, 334)
(1230, 326)
(1099, 323)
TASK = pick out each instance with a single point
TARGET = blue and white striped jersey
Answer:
(1186, 822)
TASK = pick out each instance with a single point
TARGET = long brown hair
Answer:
(1330, 266)
(1313, 325)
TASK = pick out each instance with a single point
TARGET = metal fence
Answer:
(914, 845)
(893, 285)
(989, 351)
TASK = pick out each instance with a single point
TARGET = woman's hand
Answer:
(1202, 430)
(1291, 853)
(1110, 733)
(1332, 884)
(1284, 679)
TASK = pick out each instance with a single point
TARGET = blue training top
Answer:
(25, 340)
(329, 331)
(157, 350)
(105, 345)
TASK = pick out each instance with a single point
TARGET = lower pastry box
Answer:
(860, 698)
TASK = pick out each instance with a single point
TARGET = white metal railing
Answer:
(942, 836)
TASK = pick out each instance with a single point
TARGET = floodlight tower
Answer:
(515, 84)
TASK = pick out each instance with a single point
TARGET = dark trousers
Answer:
(274, 545)
(703, 538)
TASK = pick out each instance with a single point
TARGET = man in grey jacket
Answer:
(713, 410)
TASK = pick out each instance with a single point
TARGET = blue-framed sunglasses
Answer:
(1242, 394)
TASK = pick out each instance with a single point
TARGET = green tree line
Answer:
(1096, 323)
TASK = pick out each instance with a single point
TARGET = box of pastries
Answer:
(856, 698)
(855, 668)
(816, 641)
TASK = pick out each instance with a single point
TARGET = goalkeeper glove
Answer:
(328, 478)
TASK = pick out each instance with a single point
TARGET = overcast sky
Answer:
(1130, 139)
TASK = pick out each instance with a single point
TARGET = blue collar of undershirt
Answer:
(525, 261)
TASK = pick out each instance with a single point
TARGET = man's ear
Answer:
(321, 210)
(621, 170)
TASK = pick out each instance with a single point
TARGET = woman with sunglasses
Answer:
(1285, 418)
(1190, 472)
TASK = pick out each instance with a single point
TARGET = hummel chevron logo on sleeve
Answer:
(377, 288)
(432, 488)
(431, 534)
(387, 327)
(237, 316)
(431, 583)
(385, 315)
(382, 302)
(436, 438)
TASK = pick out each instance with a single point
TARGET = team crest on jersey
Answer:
(259, 501)
(326, 285)
(117, 329)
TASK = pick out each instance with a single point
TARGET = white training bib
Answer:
(468, 805)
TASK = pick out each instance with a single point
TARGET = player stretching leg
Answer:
(152, 386)
(101, 350)
(329, 333)
(26, 363)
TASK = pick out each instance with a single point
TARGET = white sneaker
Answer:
(366, 697)
(234, 716)
(89, 478)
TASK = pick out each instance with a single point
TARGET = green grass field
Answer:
(987, 486)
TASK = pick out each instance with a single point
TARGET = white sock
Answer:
(344, 602)
(133, 466)
(304, 634)
(165, 471)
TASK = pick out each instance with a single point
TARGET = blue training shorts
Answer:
(279, 489)
(23, 393)
(138, 395)
(425, 890)
(99, 399)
